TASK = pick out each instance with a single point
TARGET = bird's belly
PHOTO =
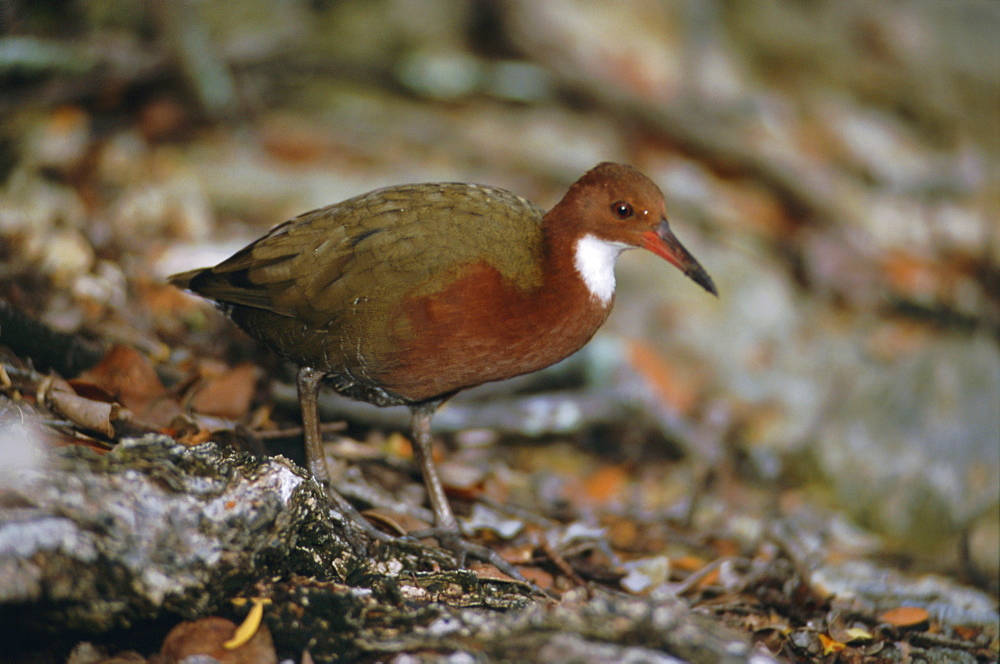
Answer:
(421, 375)
(479, 330)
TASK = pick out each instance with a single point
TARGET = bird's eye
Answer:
(621, 209)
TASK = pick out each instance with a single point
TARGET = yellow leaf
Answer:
(858, 634)
(830, 645)
(250, 624)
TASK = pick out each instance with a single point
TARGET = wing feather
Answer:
(366, 252)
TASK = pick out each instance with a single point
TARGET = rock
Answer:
(96, 542)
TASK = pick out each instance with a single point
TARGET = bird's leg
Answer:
(446, 528)
(423, 454)
(308, 381)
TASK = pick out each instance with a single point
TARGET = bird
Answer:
(409, 294)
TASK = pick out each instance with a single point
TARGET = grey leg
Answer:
(420, 430)
(446, 528)
(308, 382)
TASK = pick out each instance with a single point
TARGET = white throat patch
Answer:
(594, 260)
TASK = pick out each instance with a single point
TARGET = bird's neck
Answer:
(594, 263)
(581, 263)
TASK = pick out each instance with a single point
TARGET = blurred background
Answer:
(834, 164)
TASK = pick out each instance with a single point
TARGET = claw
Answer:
(456, 544)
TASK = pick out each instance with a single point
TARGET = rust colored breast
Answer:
(482, 328)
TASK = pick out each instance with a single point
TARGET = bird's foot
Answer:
(452, 540)
(368, 532)
(449, 539)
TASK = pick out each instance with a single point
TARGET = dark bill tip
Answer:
(665, 244)
(698, 275)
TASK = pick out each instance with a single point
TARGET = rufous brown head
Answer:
(618, 206)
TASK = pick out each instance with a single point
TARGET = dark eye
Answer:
(621, 209)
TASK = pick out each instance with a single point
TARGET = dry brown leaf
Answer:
(397, 523)
(228, 394)
(517, 554)
(605, 484)
(207, 636)
(966, 632)
(89, 390)
(193, 436)
(624, 533)
(911, 275)
(538, 576)
(294, 141)
(487, 571)
(129, 377)
(709, 580)
(905, 616)
(163, 117)
(95, 416)
(662, 378)
(688, 563)
(168, 300)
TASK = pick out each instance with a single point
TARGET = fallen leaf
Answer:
(207, 636)
(393, 522)
(859, 634)
(688, 563)
(86, 413)
(228, 394)
(709, 580)
(163, 117)
(193, 436)
(399, 445)
(646, 573)
(830, 646)
(605, 484)
(624, 533)
(169, 302)
(248, 628)
(484, 518)
(129, 377)
(89, 390)
(294, 141)
(966, 632)
(538, 576)
(487, 571)
(662, 378)
(461, 480)
(517, 554)
(905, 616)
